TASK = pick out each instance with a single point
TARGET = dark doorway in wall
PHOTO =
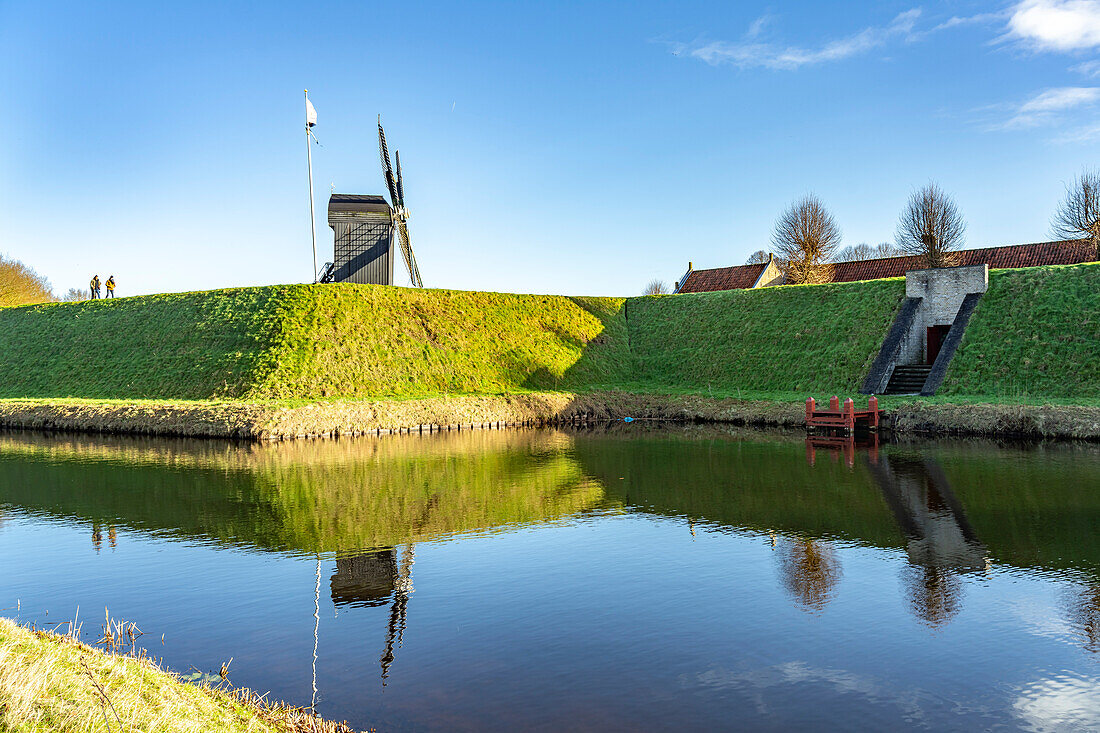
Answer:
(936, 337)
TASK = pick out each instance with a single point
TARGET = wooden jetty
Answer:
(841, 417)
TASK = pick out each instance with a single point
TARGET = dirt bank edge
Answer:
(259, 421)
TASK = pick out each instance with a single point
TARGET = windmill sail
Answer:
(400, 183)
(387, 169)
(396, 186)
(407, 253)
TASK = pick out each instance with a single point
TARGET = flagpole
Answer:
(309, 161)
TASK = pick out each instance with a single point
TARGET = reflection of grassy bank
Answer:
(315, 496)
(1030, 506)
(50, 682)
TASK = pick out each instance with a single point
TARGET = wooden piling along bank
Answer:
(577, 419)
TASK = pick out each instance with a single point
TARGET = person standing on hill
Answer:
(93, 287)
(111, 286)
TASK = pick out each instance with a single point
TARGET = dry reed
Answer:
(51, 681)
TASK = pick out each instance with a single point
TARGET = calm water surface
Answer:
(633, 579)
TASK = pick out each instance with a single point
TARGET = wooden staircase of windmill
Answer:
(908, 379)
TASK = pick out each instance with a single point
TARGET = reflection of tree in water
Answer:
(809, 570)
(933, 592)
(1083, 613)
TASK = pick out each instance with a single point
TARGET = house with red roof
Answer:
(738, 277)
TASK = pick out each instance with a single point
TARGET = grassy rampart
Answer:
(357, 342)
(801, 338)
(1035, 333)
(302, 341)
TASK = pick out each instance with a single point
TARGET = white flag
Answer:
(311, 114)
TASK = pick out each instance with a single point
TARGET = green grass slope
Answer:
(774, 339)
(306, 341)
(182, 345)
(366, 340)
(1036, 332)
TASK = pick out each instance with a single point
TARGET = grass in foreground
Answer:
(50, 682)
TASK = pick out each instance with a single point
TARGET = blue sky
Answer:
(567, 148)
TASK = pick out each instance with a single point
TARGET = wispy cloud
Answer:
(1088, 68)
(751, 53)
(979, 19)
(757, 26)
(1048, 106)
(1079, 135)
(1056, 25)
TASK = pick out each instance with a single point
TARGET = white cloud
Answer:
(752, 54)
(1088, 68)
(1056, 25)
(1046, 106)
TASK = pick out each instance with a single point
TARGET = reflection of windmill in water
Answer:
(941, 542)
(380, 576)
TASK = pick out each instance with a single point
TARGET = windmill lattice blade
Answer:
(406, 251)
(387, 168)
(383, 150)
(399, 180)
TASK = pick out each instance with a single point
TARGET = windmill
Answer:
(396, 185)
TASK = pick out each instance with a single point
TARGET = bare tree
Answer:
(887, 249)
(805, 238)
(931, 227)
(656, 287)
(1078, 216)
(759, 257)
(20, 285)
(74, 295)
(853, 253)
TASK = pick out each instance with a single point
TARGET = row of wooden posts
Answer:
(431, 428)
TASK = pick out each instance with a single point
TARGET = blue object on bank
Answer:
(628, 419)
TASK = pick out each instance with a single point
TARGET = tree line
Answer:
(21, 285)
(806, 240)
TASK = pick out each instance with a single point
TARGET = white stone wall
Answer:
(942, 291)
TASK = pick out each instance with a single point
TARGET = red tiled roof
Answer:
(1020, 255)
(1069, 252)
(738, 277)
(874, 269)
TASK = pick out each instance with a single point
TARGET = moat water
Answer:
(629, 577)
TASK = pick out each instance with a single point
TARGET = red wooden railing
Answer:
(845, 418)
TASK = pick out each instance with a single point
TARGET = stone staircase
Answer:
(908, 379)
